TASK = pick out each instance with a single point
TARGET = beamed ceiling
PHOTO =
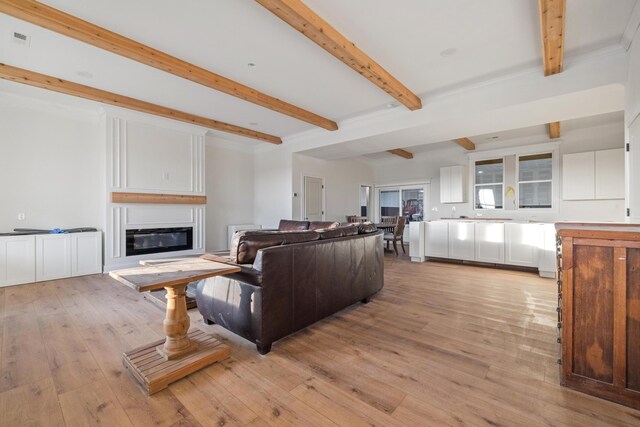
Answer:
(430, 47)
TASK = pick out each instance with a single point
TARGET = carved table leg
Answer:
(176, 325)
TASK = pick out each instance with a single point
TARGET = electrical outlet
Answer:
(21, 216)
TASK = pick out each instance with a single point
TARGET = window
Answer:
(489, 178)
(365, 200)
(535, 175)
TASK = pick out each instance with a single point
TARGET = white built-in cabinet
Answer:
(437, 239)
(489, 242)
(593, 175)
(452, 184)
(462, 240)
(17, 260)
(53, 256)
(515, 243)
(34, 258)
(522, 242)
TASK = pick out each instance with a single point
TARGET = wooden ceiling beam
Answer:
(465, 143)
(402, 153)
(302, 18)
(554, 130)
(70, 26)
(552, 19)
(19, 75)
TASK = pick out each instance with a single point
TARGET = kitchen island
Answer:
(599, 309)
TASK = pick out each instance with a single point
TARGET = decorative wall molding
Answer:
(166, 190)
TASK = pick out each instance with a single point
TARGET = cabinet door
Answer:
(578, 176)
(86, 253)
(445, 185)
(610, 174)
(547, 252)
(437, 239)
(457, 175)
(521, 244)
(489, 241)
(53, 256)
(462, 240)
(17, 260)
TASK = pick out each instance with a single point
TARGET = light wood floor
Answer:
(442, 344)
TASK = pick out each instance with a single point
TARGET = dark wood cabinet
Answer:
(599, 312)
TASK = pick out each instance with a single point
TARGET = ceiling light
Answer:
(85, 74)
(448, 52)
(491, 137)
(391, 104)
(251, 65)
(253, 124)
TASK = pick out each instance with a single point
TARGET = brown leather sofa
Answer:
(289, 280)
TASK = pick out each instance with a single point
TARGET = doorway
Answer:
(313, 205)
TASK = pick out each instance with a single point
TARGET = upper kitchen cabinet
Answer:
(452, 184)
(593, 175)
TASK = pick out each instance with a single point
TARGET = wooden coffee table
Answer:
(158, 364)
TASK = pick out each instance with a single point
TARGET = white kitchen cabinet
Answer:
(17, 260)
(578, 176)
(522, 244)
(86, 253)
(416, 241)
(53, 256)
(489, 242)
(452, 184)
(462, 240)
(593, 175)
(547, 253)
(437, 239)
(609, 178)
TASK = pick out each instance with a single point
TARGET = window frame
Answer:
(545, 147)
(475, 184)
(518, 182)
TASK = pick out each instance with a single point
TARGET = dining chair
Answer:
(397, 235)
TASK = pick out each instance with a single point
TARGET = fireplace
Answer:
(144, 241)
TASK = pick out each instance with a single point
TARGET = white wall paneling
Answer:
(146, 157)
(150, 155)
(416, 240)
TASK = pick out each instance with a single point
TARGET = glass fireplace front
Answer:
(157, 240)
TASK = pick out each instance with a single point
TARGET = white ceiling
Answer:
(491, 37)
(537, 133)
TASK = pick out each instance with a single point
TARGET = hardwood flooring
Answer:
(442, 344)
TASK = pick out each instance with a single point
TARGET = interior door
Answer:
(313, 199)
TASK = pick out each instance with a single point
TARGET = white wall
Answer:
(272, 186)
(427, 168)
(51, 165)
(342, 180)
(230, 196)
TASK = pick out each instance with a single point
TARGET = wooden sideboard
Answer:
(599, 310)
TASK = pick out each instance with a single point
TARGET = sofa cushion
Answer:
(366, 228)
(342, 231)
(290, 225)
(246, 244)
(350, 230)
(323, 225)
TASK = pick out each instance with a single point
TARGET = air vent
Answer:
(21, 38)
